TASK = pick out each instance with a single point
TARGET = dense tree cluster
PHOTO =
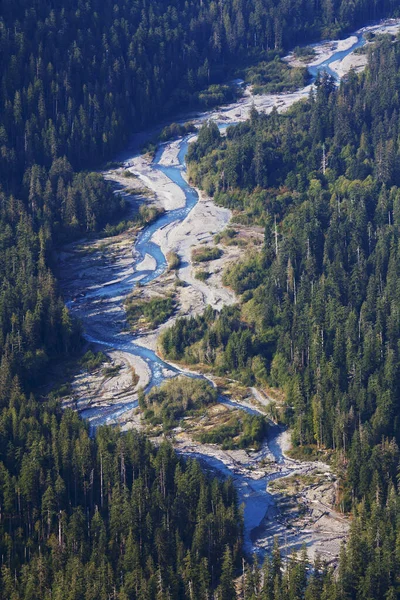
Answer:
(215, 338)
(75, 80)
(321, 299)
(111, 516)
(369, 564)
(105, 517)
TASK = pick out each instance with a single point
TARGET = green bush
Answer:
(174, 261)
(202, 275)
(152, 312)
(241, 431)
(205, 254)
(91, 361)
(176, 397)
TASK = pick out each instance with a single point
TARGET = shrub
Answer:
(205, 254)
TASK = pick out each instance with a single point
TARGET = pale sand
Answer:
(147, 264)
(198, 228)
(169, 157)
(263, 103)
(168, 194)
(203, 222)
(323, 51)
(356, 62)
(96, 390)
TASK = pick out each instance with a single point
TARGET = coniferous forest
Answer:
(319, 307)
(110, 516)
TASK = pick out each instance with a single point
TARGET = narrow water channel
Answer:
(252, 492)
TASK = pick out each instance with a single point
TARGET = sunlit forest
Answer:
(111, 516)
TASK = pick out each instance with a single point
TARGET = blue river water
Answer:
(252, 493)
(145, 246)
(325, 65)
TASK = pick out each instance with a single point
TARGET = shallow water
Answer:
(144, 245)
(252, 493)
(324, 66)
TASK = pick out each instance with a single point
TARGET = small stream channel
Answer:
(252, 492)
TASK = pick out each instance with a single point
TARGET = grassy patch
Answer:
(226, 237)
(173, 261)
(149, 313)
(275, 77)
(176, 130)
(148, 214)
(205, 254)
(310, 452)
(218, 94)
(239, 431)
(92, 361)
(304, 53)
(176, 398)
(111, 371)
(149, 149)
(63, 390)
(202, 275)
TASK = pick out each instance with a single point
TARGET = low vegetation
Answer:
(305, 53)
(149, 313)
(206, 254)
(227, 236)
(239, 431)
(176, 130)
(92, 361)
(217, 94)
(202, 275)
(176, 398)
(275, 77)
(145, 215)
(173, 260)
(111, 371)
(148, 214)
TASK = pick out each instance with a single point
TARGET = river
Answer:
(99, 300)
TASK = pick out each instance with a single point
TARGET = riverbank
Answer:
(99, 287)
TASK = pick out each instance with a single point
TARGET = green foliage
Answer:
(320, 301)
(242, 431)
(305, 53)
(111, 516)
(175, 397)
(176, 130)
(174, 261)
(209, 137)
(92, 511)
(245, 275)
(217, 94)
(222, 340)
(148, 214)
(202, 275)
(150, 313)
(91, 361)
(274, 77)
(227, 236)
(111, 371)
(368, 565)
(206, 254)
